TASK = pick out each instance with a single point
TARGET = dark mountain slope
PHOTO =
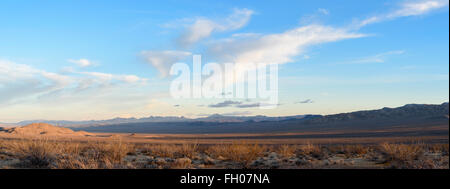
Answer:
(421, 117)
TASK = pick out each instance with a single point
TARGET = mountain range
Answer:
(157, 119)
(419, 118)
(422, 117)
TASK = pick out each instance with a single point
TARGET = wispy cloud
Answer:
(236, 113)
(408, 8)
(223, 104)
(81, 62)
(323, 11)
(272, 48)
(307, 101)
(315, 17)
(19, 82)
(203, 27)
(239, 104)
(251, 105)
(278, 48)
(256, 104)
(163, 60)
(378, 58)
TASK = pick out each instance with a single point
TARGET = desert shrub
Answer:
(438, 148)
(355, 150)
(402, 152)
(107, 154)
(182, 163)
(188, 150)
(34, 153)
(44, 153)
(238, 152)
(287, 150)
(161, 150)
(310, 149)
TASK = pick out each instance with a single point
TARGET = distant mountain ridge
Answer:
(401, 114)
(64, 123)
(413, 116)
(409, 110)
(158, 119)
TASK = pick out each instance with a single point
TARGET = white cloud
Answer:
(131, 78)
(20, 82)
(316, 17)
(409, 8)
(203, 27)
(81, 62)
(163, 60)
(98, 80)
(101, 76)
(419, 7)
(278, 48)
(323, 11)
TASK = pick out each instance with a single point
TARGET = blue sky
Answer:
(79, 60)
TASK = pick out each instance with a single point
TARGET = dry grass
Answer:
(354, 150)
(161, 150)
(39, 153)
(171, 150)
(44, 153)
(310, 148)
(182, 163)
(188, 150)
(47, 153)
(438, 148)
(413, 156)
(287, 151)
(238, 152)
(402, 152)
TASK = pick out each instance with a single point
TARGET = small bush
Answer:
(402, 152)
(287, 150)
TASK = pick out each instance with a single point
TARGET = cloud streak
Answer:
(163, 60)
(278, 48)
(81, 62)
(307, 101)
(224, 104)
(20, 82)
(378, 58)
(203, 27)
(409, 8)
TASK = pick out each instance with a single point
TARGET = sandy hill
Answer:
(44, 129)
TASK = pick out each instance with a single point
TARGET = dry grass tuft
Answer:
(171, 150)
(48, 153)
(439, 148)
(287, 150)
(238, 152)
(161, 150)
(402, 152)
(188, 150)
(44, 153)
